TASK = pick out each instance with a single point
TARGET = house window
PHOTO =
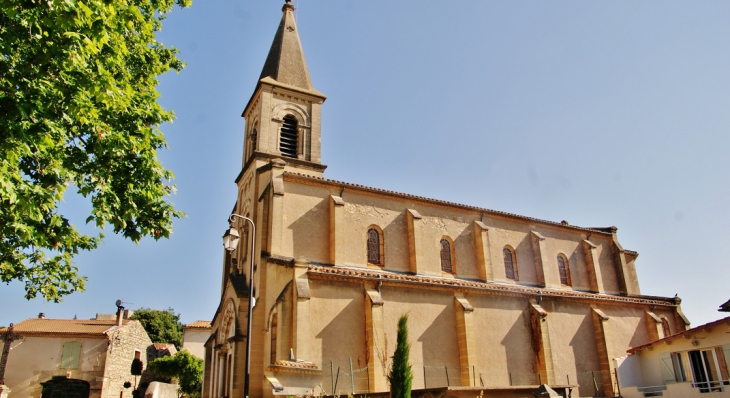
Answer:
(70, 356)
(447, 258)
(288, 141)
(274, 327)
(510, 265)
(564, 270)
(375, 246)
(704, 370)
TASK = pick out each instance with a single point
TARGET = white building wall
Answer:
(194, 341)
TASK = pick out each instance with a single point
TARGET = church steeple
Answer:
(285, 62)
(284, 113)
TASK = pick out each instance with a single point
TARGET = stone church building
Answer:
(497, 302)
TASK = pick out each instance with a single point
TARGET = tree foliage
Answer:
(400, 376)
(163, 326)
(78, 108)
(136, 368)
(185, 367)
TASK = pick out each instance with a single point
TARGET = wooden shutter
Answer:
(667, 368)
(724, 374)
(70, 356)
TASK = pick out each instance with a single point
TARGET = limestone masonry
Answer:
(498, 302)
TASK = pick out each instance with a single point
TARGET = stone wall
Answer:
(123, 344)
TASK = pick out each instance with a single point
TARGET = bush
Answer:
(185, 367)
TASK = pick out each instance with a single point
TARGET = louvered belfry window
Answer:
(288, 142)
(373, 246)
(446, 256)
(509, 264)
(564, 272)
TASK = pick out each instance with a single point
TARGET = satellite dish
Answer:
(119, 303)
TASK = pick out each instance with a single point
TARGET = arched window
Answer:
(447, 257)
(375, 247)
(244, 245)
(564, 270)
(665, 327)
(288, 142)
(274, 327)
(510, 265)
(254, 140)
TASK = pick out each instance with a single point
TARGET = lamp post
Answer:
(230, 242)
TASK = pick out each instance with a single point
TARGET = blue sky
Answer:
(598, 113)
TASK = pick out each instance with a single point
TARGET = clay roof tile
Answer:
(62, 327)
(198, 325)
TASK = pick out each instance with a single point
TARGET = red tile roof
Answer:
(198, 325)
(162, 346)
(675, 336)
(359, 274)
(64, 327)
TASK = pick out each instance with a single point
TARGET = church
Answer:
(498, 303)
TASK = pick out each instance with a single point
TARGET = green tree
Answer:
(136, 370)
(78, 108)
(163, 326)
(186, 368)
(401, 377)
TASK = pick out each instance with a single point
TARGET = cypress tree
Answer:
(400, 376)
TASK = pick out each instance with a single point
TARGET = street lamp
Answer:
(230, 242)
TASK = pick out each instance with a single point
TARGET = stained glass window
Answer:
(564, 271)
(446, 260)
(373, 246)
(509, 264)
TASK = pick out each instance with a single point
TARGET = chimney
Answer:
(41, 315)
(120, 315)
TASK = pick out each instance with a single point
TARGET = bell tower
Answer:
(283, 116)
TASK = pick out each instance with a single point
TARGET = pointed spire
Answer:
(285, 62)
